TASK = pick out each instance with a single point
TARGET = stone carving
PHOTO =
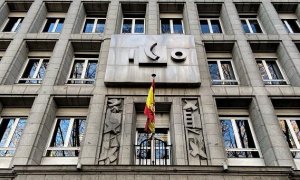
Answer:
(194, 134)
(111, 133)
(149, 51)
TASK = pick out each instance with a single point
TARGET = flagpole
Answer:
(152, 135)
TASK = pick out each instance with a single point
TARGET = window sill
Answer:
(246, 162)
(59, 160)
(5, 162)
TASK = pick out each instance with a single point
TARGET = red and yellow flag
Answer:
(150, 110)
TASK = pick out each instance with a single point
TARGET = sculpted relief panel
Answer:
(133, 58)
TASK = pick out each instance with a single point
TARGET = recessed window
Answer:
(13, 24)
(94, 25)
(161, 149)
(291, 25)
(210, 25)
(11, 129)
(271, 72)
(251, 25)
(291, 130)
(222, 72)
(34, 71)
(54, 25)
(83, 71)
(171, 26)
(66, 137)
(133, 25)
(238, 137)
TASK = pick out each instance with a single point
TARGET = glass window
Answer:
(94, 25)
(34, 71)
(291, 25)
(13, 24)
(290, 129)
(222, 72)
(238, 138)
(271, 72)
(83, 71)
(160, 155)
(210, 25)
(11, 129)
(54, 25)
(133, 25)
(171, 26)
(66, 137)
(251, 25)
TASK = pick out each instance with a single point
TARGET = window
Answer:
(133, 25)
(66, 137)
(291, 25)
(94, 25)
(54, 25)
(11, 129)
(83, 71)
(238, 138)
(160, 155)
(171, 26)
(222, 72)
(210, 25)
(290, 128)
(34, 71)
(13, 24)
(251, 25)
(271, 72)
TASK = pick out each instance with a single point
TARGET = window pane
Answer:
(177, 26)
(49, 25)
(245, 26)
(139, 26)
(286, 131)
(100, 26)
(11, 23)
(77, 69)
(5, 128)
(18, 132)
(60, 132)
(228, 134)
(227, 70)
(204, 26)
(275, 73)
(245, 134)
(214, 71)
(42, 70)
(262, 70)
(91, 70)
(255, 26)
(127, 26)
(216, 27)
(165, 26)
(77, 133)
(31, 68)
(88, 26)
(293, 24)
(59, 25)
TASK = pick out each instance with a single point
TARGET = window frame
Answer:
(41, 60)
(55, 25)
(11, 133)
(82, 79)
(209, 24)
(285, 79)
(68, 135)
(94, 25)
(133, 25)
(14, 28)
(237, 138)
(249, 25)
(223, 80)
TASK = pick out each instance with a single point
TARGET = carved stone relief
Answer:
(111, 132)
(194, 132)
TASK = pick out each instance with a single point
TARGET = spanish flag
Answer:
(150, 110)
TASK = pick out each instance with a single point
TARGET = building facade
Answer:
(74, 77)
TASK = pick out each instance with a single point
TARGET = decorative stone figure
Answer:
(194, 133)
(111, 132)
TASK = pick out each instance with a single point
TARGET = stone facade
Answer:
(113, 103)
